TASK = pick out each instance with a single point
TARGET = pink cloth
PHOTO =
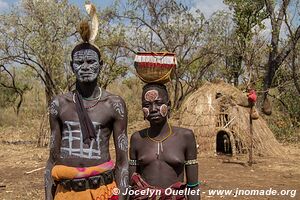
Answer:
(140, 184)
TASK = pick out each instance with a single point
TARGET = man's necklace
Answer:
(91, 99)
(160, 142)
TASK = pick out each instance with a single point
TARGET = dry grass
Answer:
(131, 91)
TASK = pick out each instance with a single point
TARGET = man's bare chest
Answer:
(102, 113)
(72, 138)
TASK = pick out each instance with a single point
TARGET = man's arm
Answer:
(121, 144)
(191, 166)
(54, 148)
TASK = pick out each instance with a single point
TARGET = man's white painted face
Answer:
(86, 65)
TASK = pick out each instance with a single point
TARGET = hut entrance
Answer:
(223, 144)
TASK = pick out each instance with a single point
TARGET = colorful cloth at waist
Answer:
(60, 172)
(140, 184)
(104, 192)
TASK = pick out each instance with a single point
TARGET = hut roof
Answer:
(216, 107)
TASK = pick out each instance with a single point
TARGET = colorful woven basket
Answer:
(155, 67)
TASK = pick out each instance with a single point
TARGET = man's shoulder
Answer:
(112, 98)
(61, 98)
(58, 102)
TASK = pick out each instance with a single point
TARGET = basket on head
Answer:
(155, 67)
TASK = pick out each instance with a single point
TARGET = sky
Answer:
(206, 6)
(4, 4)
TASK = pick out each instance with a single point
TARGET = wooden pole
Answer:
(251, 138)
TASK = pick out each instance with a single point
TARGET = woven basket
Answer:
(155, 67)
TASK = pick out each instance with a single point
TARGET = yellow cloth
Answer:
(60, 172)
(104, 192)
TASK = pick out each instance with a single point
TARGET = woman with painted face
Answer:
(162, 156)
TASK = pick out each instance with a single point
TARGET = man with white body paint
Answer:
(82, 122)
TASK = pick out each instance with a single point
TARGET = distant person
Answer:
(162, 155)
(226, 144)
(82, 122)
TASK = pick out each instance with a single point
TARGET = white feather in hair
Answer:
(91, 10)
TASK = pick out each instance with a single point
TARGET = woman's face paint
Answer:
(146, 112)
(163, 110)
(151, 95)
(155, 108)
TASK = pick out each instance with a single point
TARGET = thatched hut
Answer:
(218, 114)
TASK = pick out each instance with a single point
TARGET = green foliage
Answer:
(13, 85)
(111, 38)
(7, 97)
(37, 35)
(247, 14)
(40, 36)
(168, 25)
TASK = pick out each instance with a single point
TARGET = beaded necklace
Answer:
(91, 99)
(160, 142)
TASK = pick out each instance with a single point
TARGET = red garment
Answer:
(115, 197)
(140, 184)
(252, 97)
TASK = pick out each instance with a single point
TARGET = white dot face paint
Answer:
(151, 95)
(163, 110)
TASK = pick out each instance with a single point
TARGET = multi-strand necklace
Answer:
(91, 99)
(160, 142)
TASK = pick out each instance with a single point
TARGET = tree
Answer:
(295, 69)
(278, 53)
(11, 89)
(110, 39)
(246, 15)
(40, 36)
(36, 35)
(168, 25)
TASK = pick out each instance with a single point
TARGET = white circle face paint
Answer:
(151, 95)
(163, 110)
(146, 112)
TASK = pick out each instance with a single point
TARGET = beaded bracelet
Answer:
(193, 185)
(191, 162)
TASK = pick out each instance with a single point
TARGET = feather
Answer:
(91, 10)
(84, 30)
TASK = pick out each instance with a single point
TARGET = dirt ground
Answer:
(216, 173)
